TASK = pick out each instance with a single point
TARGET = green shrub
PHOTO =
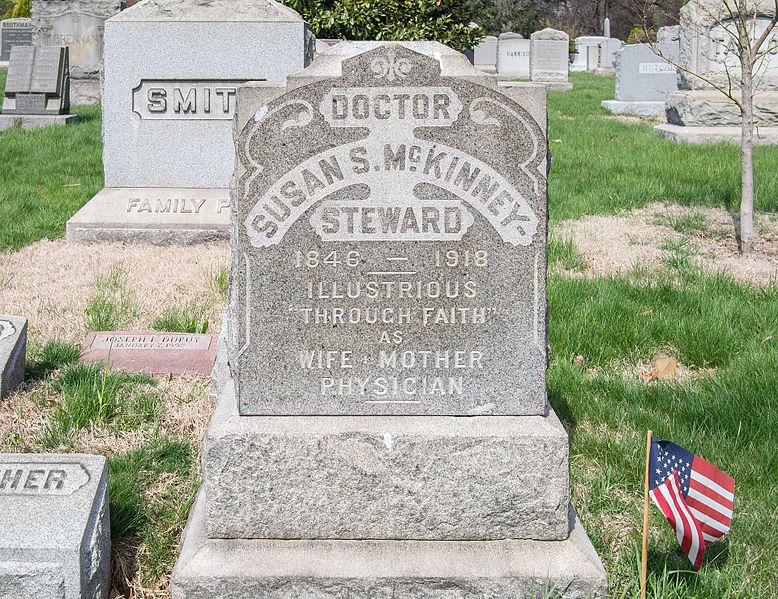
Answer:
(22, 9)
(638, 35)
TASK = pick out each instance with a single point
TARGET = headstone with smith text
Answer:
(55, 540)
(36, 88)
(14, 32)
(13, 352)
(154, 353)
(550, 59)
(644, 76)
(381, 375)
(78, 25)
(168, 153)
(513, 56)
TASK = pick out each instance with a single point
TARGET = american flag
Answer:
(696, 497)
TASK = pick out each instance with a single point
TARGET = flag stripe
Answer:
(695, 546)
(714, 505)
(677, 522)
(704, 518)
(708, 538)
(712, 473)
(713, 485)
(713, 515)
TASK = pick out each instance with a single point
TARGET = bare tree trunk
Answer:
(747, 157)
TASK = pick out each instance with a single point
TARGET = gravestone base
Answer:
(605, 71)
(208, 568)
(555, 86)
(36, 121)
(638, 108)
(54, 526)
(710, 108)
(84, 92)
(152, 215)
(700, 135)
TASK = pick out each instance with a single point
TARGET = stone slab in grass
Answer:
(13, 352)
(702, 135)
(54, 527)
(153, 353)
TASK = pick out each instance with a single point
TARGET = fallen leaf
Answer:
(556, 141)
(647, 312)
(72, 185)
(664, 368)
(579, 361)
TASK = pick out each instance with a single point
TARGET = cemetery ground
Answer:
(656, 322)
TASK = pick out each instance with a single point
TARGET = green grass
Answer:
(46, 175)
(219, 282)
(727, 412)
(53, 356)
(189, 318)
(113, 305)
(603, 165)
(93, 395)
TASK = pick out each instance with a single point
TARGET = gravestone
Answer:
(643, 79)
(13, 352)
(36, 88)
(154, 353)
(592, 58)
(381, 373)
(512, 55)
(54, 529)
(606, 27)
(582, 45)
(77, 24)
(485, 55)
(550, 59)
(168, 152)
(697, 112)
(607, 58)
(13, 32)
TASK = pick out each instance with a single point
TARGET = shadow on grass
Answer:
(563, 410)
(52, 357)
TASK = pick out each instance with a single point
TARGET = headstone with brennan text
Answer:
(381, 373)
(55, 540)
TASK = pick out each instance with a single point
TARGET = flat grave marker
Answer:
(153, 353)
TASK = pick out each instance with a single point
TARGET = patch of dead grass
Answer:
(618, 244)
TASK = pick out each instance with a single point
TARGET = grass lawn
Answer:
(46, 176)
(724, 335)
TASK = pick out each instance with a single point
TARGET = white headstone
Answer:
(485, 56)
(581, 45)
(549, 56)
(513, 55)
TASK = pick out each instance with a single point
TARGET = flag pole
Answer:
(645, 521)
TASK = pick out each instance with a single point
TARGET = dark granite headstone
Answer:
(14, 32)
(37, 81)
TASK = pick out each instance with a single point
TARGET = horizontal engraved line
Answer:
(392, 272)
(394, 401)
(397, 259)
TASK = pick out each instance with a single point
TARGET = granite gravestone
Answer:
(485, 55)
(77, 24)
(154, 353)
(36, 88)
(54, 528)
(13, 352)
(699, 113)
(582, 45)
(607, 58)
(550, 59)
(643, 79)
(172, 69)
(389, 268)
(14, 32)
(513, 55)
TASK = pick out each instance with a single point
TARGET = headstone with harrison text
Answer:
(168, 153)
(381, 375)
(513, 56)
(55, 540)
(14, 32)
(78, 25)
(13, 352)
